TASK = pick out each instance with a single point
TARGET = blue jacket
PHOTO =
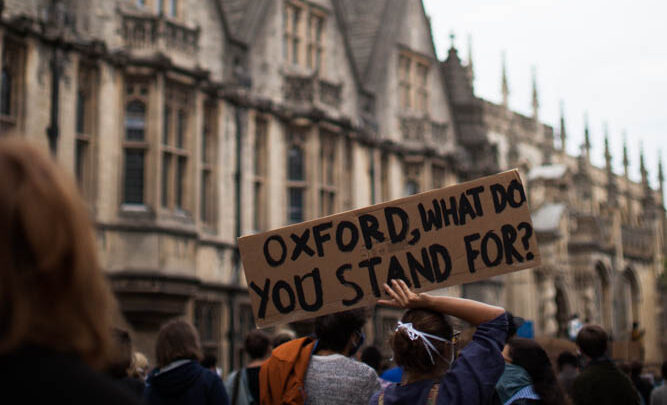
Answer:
(184, 383)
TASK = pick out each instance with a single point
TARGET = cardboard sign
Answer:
(439, 238)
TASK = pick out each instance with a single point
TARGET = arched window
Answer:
(6, 92)
(411, 187)
(296, 184)
(134, 144)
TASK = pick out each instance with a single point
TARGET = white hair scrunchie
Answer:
(415, 334)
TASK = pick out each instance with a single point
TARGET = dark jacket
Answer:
(601, 382)
(41, 376)
(188, 383)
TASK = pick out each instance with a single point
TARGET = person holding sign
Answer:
(422, 345)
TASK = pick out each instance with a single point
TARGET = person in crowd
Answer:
(637, 335)
(641, 384)
(542, 387)
(513, 377)
(659, 394)
(422, 346)
(139, 366)
(600, 381)
(55, 303)
(121, 363)
(568, 369)
(179, 378)
(281, 337)
(372, 356)
(210, 362)
(321, 371)
(573, 327)
(243, 385)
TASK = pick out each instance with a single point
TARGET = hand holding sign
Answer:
(443, 237)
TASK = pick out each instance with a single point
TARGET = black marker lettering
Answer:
(263, 295)
(282, 285)
(283, 251)
(358, 292)
(369, 228)
(509, 237)
(319, 238)
(441, 274)
(485, 249)
(430, 218)
(301, 245)
(470, 252)
(354, 236)
(317, 285)
(389, 214)
(424, 268)
(370, 265)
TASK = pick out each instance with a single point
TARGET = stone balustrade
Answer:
(154, 32)
(308, 89)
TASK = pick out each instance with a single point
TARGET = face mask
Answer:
(360, 341)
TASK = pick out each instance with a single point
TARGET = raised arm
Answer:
(473, 312)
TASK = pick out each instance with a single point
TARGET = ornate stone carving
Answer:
(157, 33)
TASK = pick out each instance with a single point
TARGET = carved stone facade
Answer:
(191, 122)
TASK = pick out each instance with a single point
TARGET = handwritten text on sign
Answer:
(444, 237)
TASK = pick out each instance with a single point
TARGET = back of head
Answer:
(122, 359)
(373, 357)
(533, 358)
(592, 341)
(281, 337)
(52, 291)
(412, 354)
(567, 359)
(334, 331)
(139, 366)
(257, 344)
(177, 340)
(636, 368)
(209, 361)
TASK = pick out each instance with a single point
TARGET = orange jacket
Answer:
(281, 378)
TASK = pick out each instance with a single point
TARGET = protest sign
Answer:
(454, 235)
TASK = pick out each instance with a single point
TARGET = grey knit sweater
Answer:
(339, 380)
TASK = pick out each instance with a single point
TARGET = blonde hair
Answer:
(139, 366)
(52, 291)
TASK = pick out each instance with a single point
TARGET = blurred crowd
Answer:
(58, 342)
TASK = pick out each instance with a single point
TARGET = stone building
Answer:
(188, 123)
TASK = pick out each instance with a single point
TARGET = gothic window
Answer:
(10, 84)
(315, 43)
(413, 73)
(296, 181)
(207, 322)
(175, 149)
(85, 128)
(303, 35)
(246, 323)
(384, 177)
(328, 182)
(437, 176)
(260, 174)
(209, 154)
(135, 145)
(412, 183)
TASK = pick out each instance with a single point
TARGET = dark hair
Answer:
(567, 358)
(177, 340)
(636, 368)
(532, 357)
(592, 341)
(335, 330)
(372, 356)
(122, 359)
(412, 354)
(257, 344)
(53, 293)
(282, 337)
(208, 361)
(663, 370)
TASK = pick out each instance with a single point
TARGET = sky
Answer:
(604, 58)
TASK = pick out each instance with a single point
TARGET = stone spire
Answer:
(505, 87)
(536, 102)
(607, 152)
(563, 134)
(587, 138)
(470, 68)
(642, 166)
(626, 159)
(661, 178)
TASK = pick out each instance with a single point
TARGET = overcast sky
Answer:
(608, 58)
